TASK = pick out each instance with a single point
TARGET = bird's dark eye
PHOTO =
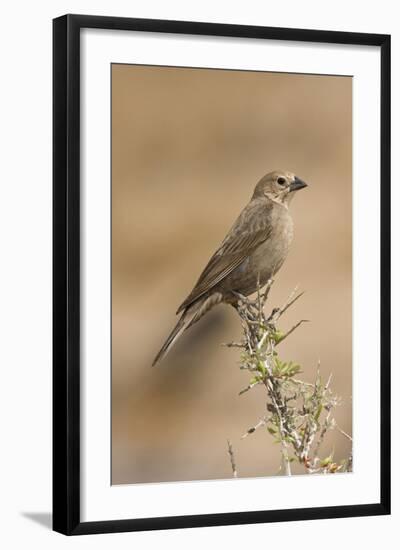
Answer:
(281, 181)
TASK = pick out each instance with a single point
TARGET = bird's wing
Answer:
(252, 228)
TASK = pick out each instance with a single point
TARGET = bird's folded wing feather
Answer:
(249, 231)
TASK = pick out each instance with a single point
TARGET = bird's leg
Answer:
(241, 303)
(240, 297)
(248, 305)
(244, 313)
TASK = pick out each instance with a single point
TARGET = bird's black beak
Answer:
(297, 184)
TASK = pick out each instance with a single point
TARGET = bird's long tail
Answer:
(190, 316)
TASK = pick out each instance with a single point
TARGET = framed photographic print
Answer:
(239, 176)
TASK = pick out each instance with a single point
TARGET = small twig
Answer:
(279, 311)
(328, 381)
(249, 387)
(325, 428)
(259, 302)
(232, 458)
(297, 382)
(344, 433)
(251, 430)
(262, 340)
(289, 332)
(291, 300)
(267, 290)
(233, 344)
(289, 304)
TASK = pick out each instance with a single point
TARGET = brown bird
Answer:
(252, 252)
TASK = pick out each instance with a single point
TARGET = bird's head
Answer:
(278, 186)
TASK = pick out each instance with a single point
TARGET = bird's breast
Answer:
(266, 260)
(272, 253)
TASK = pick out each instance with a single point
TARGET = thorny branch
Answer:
(299, 413)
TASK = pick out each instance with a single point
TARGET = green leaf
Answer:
(261, 368)
(294, 368)
(326, 461)
(277, 336)
(318, 413)
(285, 369)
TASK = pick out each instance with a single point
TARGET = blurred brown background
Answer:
(188, 146)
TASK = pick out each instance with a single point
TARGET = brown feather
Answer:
(247, 233)
(188, 318)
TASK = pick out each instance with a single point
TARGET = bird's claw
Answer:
(240, 296)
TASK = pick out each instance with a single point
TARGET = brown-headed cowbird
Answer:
(252, 252)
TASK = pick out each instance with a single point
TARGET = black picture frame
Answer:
(66, 273)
